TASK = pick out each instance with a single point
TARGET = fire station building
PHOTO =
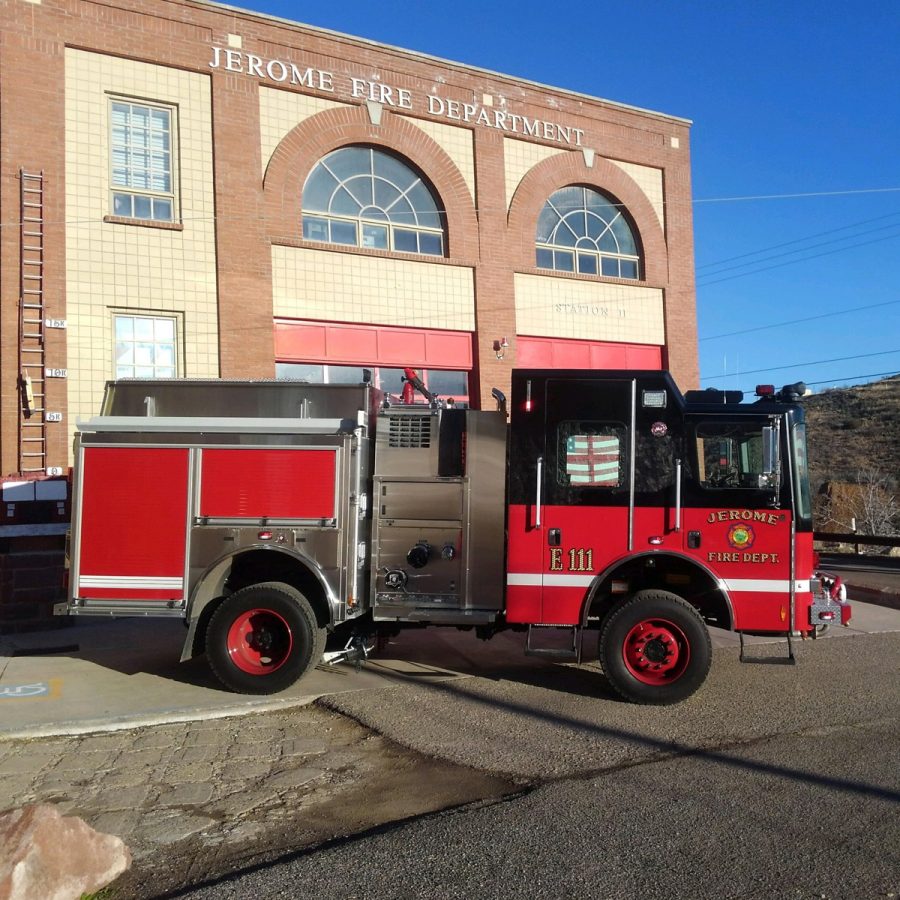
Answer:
(193, 191)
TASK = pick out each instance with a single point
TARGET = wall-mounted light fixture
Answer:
(500, 347)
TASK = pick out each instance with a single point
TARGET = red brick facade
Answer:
(487, 233)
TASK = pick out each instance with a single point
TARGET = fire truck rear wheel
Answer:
(263, 638)
(655, 648)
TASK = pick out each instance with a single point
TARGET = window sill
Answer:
(582, 276)
(147, 223)
(303, 244)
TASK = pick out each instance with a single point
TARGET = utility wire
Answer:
(840, 312)
(818, 362)
(846, 378)
(792, 262)
(771, 256)
(887, 190)
(801, 240)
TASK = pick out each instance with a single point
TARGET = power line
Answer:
(851, 377)
(796, 321)
(795, 241)
(818, 362)
(887, 190)
(846, 378)
(792, 262)
(771, 256)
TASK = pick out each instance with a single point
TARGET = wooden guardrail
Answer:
(875, 540)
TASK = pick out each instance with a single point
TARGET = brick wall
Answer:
(256, 199)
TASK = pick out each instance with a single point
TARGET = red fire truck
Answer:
(275, 516)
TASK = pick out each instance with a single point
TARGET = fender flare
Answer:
(611, 569)
(210, 584)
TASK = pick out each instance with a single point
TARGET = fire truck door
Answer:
(572, 473)
(737, 514)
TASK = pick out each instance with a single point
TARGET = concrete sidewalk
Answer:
(109, 674)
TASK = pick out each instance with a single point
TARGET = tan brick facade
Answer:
(258, 101)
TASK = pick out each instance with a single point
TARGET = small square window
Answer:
(145, 347)
(610, 267)
(431, 244)
(374, 236)
(315, 229)
(587, 264)
(405, 241)
(343, 232)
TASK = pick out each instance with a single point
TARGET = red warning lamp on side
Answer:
(765, 390)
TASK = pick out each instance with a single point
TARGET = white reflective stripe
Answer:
(131, 582)
(764, 586)
(536, 579)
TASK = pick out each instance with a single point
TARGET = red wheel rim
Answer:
(656, 651)
(259, 641)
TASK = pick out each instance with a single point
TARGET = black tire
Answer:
(655, 648)
(263, 638)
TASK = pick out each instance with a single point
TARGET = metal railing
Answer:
(852, 537)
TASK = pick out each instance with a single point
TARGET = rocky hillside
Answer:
(854, 429)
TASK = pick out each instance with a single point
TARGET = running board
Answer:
(560, 648)
(789, 660)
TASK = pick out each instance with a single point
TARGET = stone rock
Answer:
(53, 857)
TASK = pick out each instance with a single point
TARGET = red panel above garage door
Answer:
(371, 345)
(553, 353)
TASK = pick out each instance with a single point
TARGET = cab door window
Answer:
(730, 456)
(591, 455)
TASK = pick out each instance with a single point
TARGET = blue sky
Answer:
(796, 105)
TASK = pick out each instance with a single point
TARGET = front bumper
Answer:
(829, 605)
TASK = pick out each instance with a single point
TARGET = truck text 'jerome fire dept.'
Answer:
(274, 516)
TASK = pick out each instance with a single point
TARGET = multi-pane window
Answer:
(141, 161)
(145, 347)
(446, 383)
(368, 198)
(580, 230)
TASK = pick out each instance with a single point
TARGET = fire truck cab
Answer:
(274, 515)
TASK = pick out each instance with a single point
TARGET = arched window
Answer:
(580, 230)
(366, 197)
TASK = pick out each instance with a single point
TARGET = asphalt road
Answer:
(772, 781)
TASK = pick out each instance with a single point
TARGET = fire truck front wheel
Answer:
(263, 638)
(655, 648)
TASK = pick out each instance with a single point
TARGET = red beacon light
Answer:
(765, 390)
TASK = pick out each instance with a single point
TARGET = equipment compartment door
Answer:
(133, 510)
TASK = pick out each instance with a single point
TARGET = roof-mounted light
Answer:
(765, 390)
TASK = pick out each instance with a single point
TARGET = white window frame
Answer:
(159, 368)
(156, 197)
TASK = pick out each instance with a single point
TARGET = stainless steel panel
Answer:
(407, 441)
(244, 399)
(438, 577)
(420, 500)
(486, 538)
(413, 504)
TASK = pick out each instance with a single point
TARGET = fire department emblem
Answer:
(659, 429)
(741, 536)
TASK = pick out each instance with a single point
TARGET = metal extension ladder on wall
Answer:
(32, 425)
